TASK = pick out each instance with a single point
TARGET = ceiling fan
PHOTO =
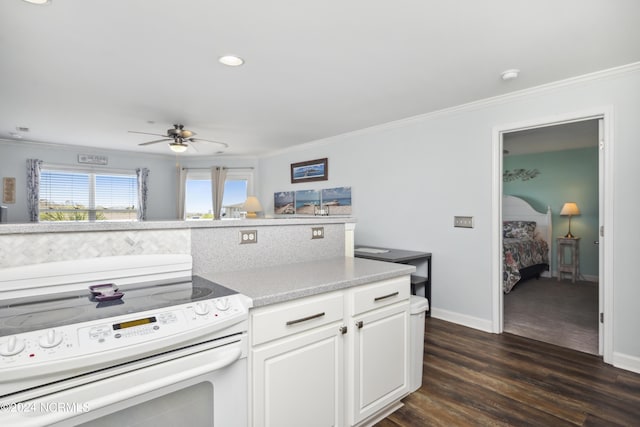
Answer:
(179, 136)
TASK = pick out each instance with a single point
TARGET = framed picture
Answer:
(283, 203)
(8, 190)
(312, 170)
(307, 201)
(337, 200)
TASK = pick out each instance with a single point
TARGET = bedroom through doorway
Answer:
(548, 168)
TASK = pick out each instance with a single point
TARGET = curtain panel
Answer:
(34, 166)
(182, 189)
(218, 178)
(143, 175)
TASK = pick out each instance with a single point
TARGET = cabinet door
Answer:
(298, 381)
(379, 361)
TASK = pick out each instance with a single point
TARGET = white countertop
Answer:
(281, 283)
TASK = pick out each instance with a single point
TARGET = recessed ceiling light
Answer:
(510, 74)
(40, 2)
(231, 60)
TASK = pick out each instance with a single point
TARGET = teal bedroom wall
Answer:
(564, 176)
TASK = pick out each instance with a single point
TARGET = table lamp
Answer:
(570, 209)
(252, 205)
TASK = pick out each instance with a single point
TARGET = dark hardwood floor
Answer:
(473, 378)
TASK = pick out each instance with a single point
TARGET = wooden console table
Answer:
(571, 264)
(401, 256)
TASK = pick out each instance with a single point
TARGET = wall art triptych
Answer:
(328, 201)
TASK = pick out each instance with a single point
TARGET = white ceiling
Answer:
(84, 72)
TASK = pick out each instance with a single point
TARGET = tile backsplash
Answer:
(35, 248)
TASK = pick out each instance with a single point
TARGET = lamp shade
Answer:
(570, 208)
(252, 205)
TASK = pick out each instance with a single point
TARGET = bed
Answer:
(526, 241)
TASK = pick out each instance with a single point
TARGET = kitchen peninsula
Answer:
(328, 333)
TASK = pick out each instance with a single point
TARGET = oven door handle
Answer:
(223, 359)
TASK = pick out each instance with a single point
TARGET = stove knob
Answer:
(201, 308)
(51, 339)
(222, 304)
(12, 346)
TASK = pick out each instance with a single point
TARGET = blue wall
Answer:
(565, 176)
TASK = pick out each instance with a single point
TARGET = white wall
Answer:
(411, 177)
(162, 176)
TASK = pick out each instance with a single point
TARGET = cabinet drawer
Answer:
(292, 317)
(380, 294)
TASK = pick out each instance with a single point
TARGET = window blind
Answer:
(67, 195)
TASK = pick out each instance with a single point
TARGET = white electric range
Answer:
(105, 341)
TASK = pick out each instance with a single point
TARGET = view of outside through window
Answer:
(78, 196)
(198, 203)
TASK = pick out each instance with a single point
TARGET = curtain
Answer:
(182, 190)
(142, 174)
(33, 189)
(218, 178)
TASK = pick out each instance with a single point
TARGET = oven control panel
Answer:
(182, 322)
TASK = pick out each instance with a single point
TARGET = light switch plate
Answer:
(463, 221)
(317, 233)
(248, 236)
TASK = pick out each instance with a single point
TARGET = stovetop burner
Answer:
(49, 311)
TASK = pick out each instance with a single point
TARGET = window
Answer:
(74, 195)
(198, 201)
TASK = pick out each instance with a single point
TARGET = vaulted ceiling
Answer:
(85, 72)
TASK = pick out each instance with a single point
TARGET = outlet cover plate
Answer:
(248, 236)
(317, 233)
(463, 221)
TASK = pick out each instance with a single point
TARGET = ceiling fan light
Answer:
(178, 147)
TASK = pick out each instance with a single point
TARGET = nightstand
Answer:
(568, 256)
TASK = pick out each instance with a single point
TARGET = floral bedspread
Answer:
(521, 253)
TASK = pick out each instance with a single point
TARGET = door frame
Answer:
(605, 173)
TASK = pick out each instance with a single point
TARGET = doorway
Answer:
(605, 208)
(545, 168)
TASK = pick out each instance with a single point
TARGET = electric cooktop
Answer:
(52, 310)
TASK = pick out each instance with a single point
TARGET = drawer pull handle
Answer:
(304, 319)
(343, 329)
(376, 299)
(359, 324)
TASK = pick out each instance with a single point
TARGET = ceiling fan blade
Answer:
(156, 141)
(146, 133)
(207, 140)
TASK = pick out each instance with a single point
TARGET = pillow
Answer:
(518, 229)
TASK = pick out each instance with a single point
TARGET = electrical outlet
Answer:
(317, 232)
(248, 236)
(463, 221)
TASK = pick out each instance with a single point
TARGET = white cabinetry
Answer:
(335, 359)
(297, 363)
(379, 358)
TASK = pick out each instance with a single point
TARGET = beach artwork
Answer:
(283, 203)
(312, 170)
(338, 200)
(306, 201)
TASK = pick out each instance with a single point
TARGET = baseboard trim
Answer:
(462, 319)
(585, 277)
(626, 362)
